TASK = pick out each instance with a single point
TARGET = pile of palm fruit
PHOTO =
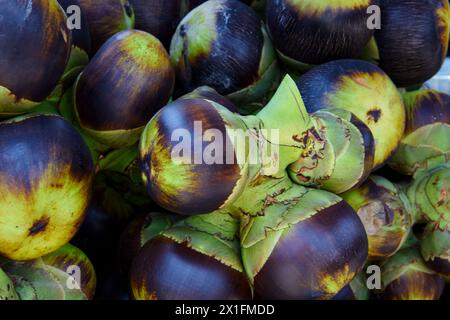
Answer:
(223, 149)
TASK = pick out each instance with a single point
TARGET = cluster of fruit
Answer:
(223, 149)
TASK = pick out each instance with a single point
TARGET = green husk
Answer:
(7, 290)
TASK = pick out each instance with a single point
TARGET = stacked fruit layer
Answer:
(223, 149)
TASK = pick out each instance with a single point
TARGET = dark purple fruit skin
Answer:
(131, 242)
(322, 245)
(439, 265)
(80, 37)
(195, 3)
(211, 94)
(233, 62)
(215, 182)
(34, 49)
(345, 294)
(409, 42)
(104, 19)
(369, 147)
(313, 38)
(415, 285)
(158, 17)
(430, 107)
(102, 104)
(97, 237)
(166, 270)
(33, 143)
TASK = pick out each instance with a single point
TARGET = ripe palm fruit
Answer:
(311, 32)
(349, 153)
(413, 39)
(142, 229)
(303, 244)
(54, 276)
(405, 276)
(196, 156)
(385, 213)
(43, 160)
(158, 17)
(196, 259)
(35, 44)
(106, 18)
(123, 86)
(223, 44)
(427, 130)
(363, 89)
(7, 290)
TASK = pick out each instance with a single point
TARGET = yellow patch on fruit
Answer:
(331, 284)
(196, 33)
(443, 14)
(37, 220)
(378, 104)
(10, 105)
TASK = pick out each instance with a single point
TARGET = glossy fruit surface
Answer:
(312, 32)
(106, 18)
(123, 86)
(363, 89)
(413, 39)
(35, 46)
(43, 160)
(233, 54)
(196, 259)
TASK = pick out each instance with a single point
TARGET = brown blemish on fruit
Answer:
(39, 226)
(374, 115)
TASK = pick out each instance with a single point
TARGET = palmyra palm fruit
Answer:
(7, 289)
(405, 276)
(161, 17)
(303, 244)
(198, 258)
(196, 156)
(413, 39)
(81, 39)
(138, 232)
(349, 153)
(209, 93)
(385, 213)
(158, 17)
(123, 86)
(65, 274)
(106, 18)
(363, 89)
(312, 32)
(427, 130)
(223, 44)
(43, 160)
(35, 44)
